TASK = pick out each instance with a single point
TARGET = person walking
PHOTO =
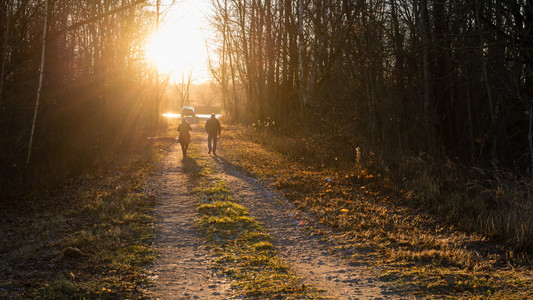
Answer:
(184, 137)
(212, 127)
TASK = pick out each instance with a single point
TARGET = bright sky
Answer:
(180, 45)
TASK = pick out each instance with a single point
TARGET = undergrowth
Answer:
(495, 203)
(428, 230)
(88, 239)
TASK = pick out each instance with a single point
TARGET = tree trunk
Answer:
(493, 134)
(428, 115)
(301, 43)
(157, 86)
(39, 88)
(530, 139)
(4, 50)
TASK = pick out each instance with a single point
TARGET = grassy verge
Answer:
(244, 251)
(88, 239)
(412, 248)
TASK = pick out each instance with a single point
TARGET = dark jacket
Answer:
(185, 135)
(212, 126)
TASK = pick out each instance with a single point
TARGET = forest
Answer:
(452, 79)
(410, 89)
(376, 148)
(74, 86)
(432, 96)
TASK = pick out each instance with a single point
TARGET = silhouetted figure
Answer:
(212, 127)
(184, 137)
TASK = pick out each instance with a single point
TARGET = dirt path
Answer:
(306, 255)
(182, 271)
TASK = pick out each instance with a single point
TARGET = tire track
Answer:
(305, 254)
(183, 267)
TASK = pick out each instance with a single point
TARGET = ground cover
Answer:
(90, 238)
(243, 249)
(416, 251)
(93, 237)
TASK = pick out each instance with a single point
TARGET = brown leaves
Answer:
(371, 223)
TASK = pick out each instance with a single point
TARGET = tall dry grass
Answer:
(496, 203)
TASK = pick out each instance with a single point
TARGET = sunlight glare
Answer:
(171, 115)
(179, 46)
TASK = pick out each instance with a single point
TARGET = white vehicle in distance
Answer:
(188, 111)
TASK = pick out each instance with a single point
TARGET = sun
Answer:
(174, 51)
(179, 46)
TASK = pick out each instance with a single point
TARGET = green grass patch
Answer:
(223, 208)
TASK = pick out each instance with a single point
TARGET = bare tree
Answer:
(421, 76)
(99, 83)
(40, 86)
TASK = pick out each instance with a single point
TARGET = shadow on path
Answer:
(307, 255)
(183, 267)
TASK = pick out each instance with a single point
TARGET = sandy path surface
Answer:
(307, 255)
(183, 269)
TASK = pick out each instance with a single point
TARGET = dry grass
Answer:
(243, 249)
(88, 239)
(495, 203)
(399, 223)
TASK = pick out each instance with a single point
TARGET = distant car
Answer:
(188, 111)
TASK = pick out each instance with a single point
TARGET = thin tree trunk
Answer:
(529, 78)
(230, 52)
(470, 121)
(233, 84)
(224, 79)
(530, 139)
(428, 118)
(301, 53)
(270, 63)
(493, 152)
(247, 57)
(286, 64)
(41, 75)
(4, 51)
(157, 92)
